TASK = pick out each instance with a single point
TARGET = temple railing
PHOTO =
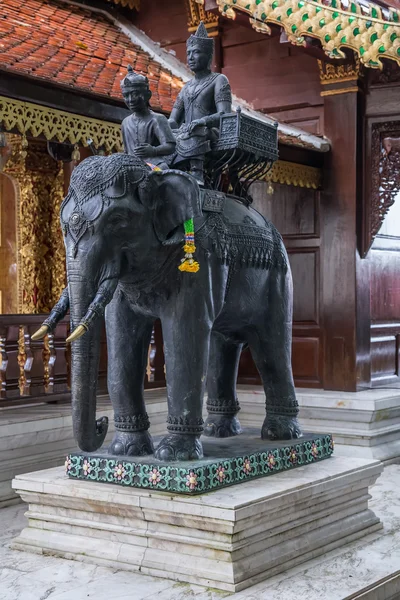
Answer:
(32, 372)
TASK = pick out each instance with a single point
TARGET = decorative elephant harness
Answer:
(243, 240)
(93, 177)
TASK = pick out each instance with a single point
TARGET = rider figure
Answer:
(145, 133)
(196, 113)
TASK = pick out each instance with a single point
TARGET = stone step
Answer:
(229, 539)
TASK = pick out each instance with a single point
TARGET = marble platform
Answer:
(364, 569)
(363, 424)
(229, 539)
(40, 436)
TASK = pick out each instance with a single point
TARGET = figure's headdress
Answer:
(201, 40)
(133, 80)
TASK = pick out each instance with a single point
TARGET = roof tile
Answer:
(72, 46)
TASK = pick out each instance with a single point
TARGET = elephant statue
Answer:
(123, 230)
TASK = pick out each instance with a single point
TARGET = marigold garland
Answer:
(188, 264)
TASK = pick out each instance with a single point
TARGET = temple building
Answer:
(328, 72)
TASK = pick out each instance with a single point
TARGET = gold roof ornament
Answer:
(127, 3)
(196, 13)
(288, 173)
(371, 31)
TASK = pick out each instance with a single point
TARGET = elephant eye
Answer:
(116, 219)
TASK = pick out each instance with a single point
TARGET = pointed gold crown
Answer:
(201, 40)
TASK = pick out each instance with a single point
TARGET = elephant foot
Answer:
(280, 427)
(179, 446)
(222, 426)
(128, 443)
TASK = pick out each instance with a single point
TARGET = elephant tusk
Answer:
(40, 333)
(76, 334)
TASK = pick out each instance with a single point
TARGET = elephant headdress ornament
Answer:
(81, 207)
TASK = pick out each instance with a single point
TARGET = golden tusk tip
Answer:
(76, 334)
(40, 333)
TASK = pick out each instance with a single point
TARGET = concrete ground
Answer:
(338, 575)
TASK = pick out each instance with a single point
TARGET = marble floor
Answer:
(335, 576)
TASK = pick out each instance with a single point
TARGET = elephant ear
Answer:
(177, 200)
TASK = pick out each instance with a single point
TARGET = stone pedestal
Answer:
(228, 539)
(363, 424)
(38, 437)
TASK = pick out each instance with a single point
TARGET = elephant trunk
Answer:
(88, 432)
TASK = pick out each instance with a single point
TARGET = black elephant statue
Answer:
(123, 231)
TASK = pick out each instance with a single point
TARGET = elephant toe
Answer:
(280, 427)
(126, 443)
(164, 453)
(179, 447)
(117, 448)
(222, 426)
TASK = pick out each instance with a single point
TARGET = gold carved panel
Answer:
(40, 259)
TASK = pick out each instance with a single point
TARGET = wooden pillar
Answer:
(345, 284)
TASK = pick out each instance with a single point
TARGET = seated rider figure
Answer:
(145, 133)
(196, 113)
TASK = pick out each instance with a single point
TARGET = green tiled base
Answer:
(226, 462)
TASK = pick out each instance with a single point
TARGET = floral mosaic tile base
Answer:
(226, 462)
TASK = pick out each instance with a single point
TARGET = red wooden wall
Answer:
(346, 308)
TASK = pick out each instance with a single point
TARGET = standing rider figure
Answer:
(196, 113)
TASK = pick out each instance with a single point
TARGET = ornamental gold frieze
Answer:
(196, 13)
(39, 184)
(370, 31)
(134, 4)
(57, 125)
(331, 74)
(288, 173)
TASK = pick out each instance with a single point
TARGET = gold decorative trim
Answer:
(370, 31)
(127, 3)
(347, 90)
(295, 174)
(196, 13)
(57, 125)
(330, 73)
(39, 183)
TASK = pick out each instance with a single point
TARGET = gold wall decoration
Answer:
(336, 91)
(58, 271)
(370, 31)
(196, 13)
(330, 73)
(127, 3)
(295, 174)
(41, 261)
(57, 125)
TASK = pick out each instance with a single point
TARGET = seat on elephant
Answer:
(244, 152)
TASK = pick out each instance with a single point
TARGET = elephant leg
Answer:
(222, 402)
(186, 360)
(128, 339)
(271, 347)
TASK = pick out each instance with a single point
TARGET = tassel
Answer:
(76, 155)
(24, 146)
(188, 264)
